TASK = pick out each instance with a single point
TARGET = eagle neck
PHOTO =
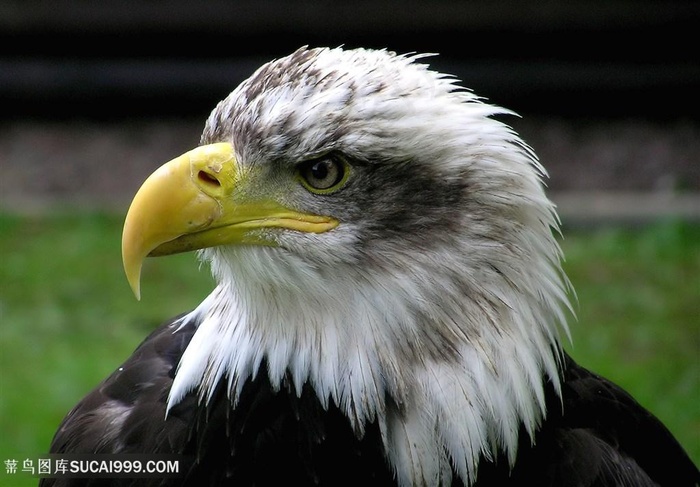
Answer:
(445, 395)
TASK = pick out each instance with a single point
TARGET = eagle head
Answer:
(376, 233)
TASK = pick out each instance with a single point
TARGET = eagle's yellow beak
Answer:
(190, 203)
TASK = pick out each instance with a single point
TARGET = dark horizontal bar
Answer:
(532, 86)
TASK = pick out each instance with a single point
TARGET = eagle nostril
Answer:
(208, 179)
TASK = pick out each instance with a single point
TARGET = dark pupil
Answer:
(319, 171)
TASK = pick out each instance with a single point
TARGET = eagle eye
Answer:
(324, 175)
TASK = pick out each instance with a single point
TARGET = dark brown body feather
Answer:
(595, 435)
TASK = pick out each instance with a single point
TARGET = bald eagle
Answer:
(389, 303)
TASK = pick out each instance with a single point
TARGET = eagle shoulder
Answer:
(596, 434)
(125, 413)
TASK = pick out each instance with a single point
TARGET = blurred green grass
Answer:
(68, 318)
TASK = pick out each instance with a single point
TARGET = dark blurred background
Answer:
(119, 59)
(608, 89)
